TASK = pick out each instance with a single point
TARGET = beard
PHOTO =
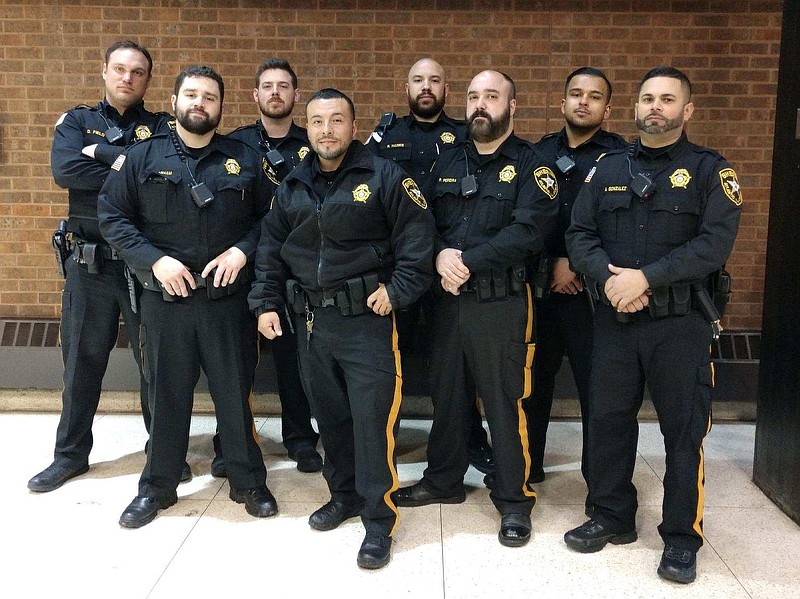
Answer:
(331, 153)
(656, 128)
(277, 110)
(198, 126)
(423, 112)
(582, 127)
(485, 132)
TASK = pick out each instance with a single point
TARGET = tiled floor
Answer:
(67, 543)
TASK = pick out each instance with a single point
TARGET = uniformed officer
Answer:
(415, 142)
(495, 203)
(649, 229)
(183, 209)
(563, 311)
(87, 141)
(349, 239)
(282, 145)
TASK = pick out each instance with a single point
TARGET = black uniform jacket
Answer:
(373, 219)
(510, 216)
(293, 147)
(681, 234)
(146, 210)
(555, 146)
(416, 145)
(84, 176)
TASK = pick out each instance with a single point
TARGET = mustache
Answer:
(479, 113)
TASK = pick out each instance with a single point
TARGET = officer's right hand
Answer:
(453, 271)
(173, 276)
(640, 303)
(269, 325)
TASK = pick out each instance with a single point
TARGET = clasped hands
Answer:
(627, 289)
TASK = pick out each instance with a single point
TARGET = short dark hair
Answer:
(592, 72)
(200, 71)
(129, 45)
(328, 93)
(672, 72)
(276, 63)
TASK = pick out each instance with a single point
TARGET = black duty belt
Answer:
(103, 250)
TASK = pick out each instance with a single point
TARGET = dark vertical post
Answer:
(776, 467)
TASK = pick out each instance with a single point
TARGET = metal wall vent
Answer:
(732, 346)
(41, 333)
(737, 346)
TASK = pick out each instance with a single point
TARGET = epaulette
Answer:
(549, 136)
(242, 128)
(611, 153)
(705, 150)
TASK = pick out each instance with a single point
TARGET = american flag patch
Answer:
(586, 180)
(118, 162)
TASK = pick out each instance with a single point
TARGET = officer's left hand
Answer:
(626, 285)
(640, 303)
(89, 150)
(228, 265)
(564, 280)
(379, 301)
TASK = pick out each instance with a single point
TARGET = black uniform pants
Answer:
(90, 309)
(672, 356)
(494, 341)
(351, 371)
(563, 325)
(296, 429)
(413, 327)
(178, 339)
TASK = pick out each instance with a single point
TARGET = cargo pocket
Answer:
(518, 377)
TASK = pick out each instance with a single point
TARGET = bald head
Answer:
(427, 90)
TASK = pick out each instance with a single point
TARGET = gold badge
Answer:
(361, 193)
(269, 172)
(546, 180)
(302, 152)
(680, 178)
(730, 185)
(142, 132)
(232, 167)
(507, 174)
(447, 137)
(414, 192)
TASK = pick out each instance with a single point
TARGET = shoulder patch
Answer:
(117, 166)
(546, 180)
(730, 185)
(269, 172)
(413, 191)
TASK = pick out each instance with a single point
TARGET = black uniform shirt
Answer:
(293, 147)
(84, 176)
(510, 216)
(146, 209)
(416, 145)
(681, 234)
(555, 146)
(372, 219)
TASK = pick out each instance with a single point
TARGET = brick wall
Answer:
(50, 60)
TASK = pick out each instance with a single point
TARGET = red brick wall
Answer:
(50, 60)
